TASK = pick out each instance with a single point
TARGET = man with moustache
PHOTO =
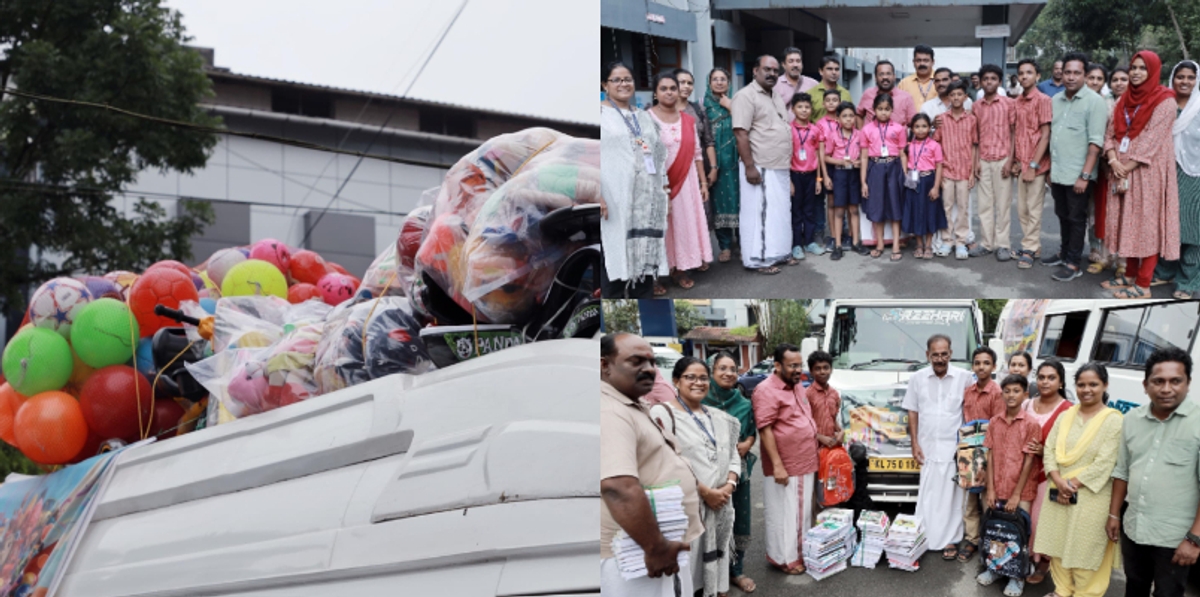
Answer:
(1054, 85)
(885, 81)
(940, 104)
(793, 80)
(920, 85)
(764, 144)
(789, 458)
(1158, 474)
(636, 453)
(934, 401)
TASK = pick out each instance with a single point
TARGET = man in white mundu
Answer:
(934, 402)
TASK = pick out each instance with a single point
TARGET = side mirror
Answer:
(807, 347)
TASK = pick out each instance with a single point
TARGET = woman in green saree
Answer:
(723, 181)
(723, 394)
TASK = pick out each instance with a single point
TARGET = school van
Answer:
(1121, 334)
(477, 480)
(876, 346)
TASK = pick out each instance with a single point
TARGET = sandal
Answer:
(1181, 295)
(745, 583)
(1117, 282)
(684, 281)
(768, 271)
(1157, 281)
(660, 290)
(875, 253)
(928, 254)
(950, 553)
(793, 261)
(966, 552)
(1039, 573)
(798, 570)
(897, 256)
(702, 268)
(1133, 292)
(724, 256)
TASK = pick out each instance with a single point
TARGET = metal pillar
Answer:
(992, 50)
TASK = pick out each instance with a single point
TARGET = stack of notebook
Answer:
(874, 527)
(667, 503)
(828, 547)
(905, 543)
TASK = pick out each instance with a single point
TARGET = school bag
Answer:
(835, 476)
(970, 457)
(1005, 546)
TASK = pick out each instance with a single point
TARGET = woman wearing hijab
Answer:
(1186, 271)
(724, 194)
(1143, 204)
(724, 394)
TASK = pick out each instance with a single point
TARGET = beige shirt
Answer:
(764, 116)
(631, 445)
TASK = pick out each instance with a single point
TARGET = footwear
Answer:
(966, 551)
(837, 253)
(815, 249)
(960, 252)
(724, 256)
(979, 251)
(1117, 282)
(988, 577)
(950, 552)
(745, 583)
(1015, 587)
(897, 256)
(1182, 295)
(797, 252)
(1096, 267)
(861, 250)
(1133, 292)
(1066, 273)
(1039, 573)
(1003, 254)
(1024, 259)
(1052, 260)
(768, 271)
(941, 250)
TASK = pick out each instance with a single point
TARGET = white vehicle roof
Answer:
(481, 479)
(903, 302)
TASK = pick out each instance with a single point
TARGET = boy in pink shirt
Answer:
(829, 127)
(806, 178)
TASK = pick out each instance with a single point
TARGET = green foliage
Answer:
(782, 321)
(60, 164)
(991, 309)
(1111, 31)
(751, 330)
(687, 318)
(621, 316)
(13, 461)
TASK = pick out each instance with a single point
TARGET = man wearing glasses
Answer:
(789, 458)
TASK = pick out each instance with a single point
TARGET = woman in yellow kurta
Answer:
(1079, 458)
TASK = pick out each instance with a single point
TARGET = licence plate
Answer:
(893, 465)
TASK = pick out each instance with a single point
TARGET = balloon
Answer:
(102, 333)
(254, 277)
(336, 288)
(10, 402)
(307, 266)
(109, 402)
(91, 447)
(335, 268)
(303, 291)
(56, 303)
(209, 305)
(50, 428)
(411, 234)
(221, 262)
(159, 286)
(167, 413)
(80, 372)
(273, 252)
(37, 360)
(145, 357)
(171, 264)
(103, 287)
(123, 280)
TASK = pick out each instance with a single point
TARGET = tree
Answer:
(991, 313)
(621, 316)
(61, 164)
(687, 318)
(781, 321)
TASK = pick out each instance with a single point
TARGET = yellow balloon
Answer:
(254, 277)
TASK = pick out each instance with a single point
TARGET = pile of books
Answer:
(873, 524)
(672, 521)
(906, 543)
(828, 546)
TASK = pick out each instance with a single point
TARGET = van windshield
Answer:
(893, 338)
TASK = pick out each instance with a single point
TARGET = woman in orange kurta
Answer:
(1143, 208)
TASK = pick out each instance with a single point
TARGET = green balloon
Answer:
(37, 360)
(102, 334)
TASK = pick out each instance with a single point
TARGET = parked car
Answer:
(751, 378)
(665, 359)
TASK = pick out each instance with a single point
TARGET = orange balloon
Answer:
(50, 428)
(307, 267)
(10, 401)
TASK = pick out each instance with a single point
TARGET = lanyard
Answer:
(883, 131)
(1129, 120)
(635, 128)
(697, 420)
(919, 153)
(922, 89)
(848, 141)
(803, 139)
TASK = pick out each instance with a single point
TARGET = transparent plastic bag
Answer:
(384, 277)
(392, 344)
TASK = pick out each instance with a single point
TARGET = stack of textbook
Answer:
(874, 527)
(905, 543)
(667, 503)
(828, 547)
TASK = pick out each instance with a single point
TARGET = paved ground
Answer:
(859, 276)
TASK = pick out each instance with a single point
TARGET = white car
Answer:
(478, 480)
(665, 359)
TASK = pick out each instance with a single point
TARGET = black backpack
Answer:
(1005, 546)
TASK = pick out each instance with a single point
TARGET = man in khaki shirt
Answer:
(764, 144)
(635, 453)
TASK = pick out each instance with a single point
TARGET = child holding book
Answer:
(923, 212)
(882, 173)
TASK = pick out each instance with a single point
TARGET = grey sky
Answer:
(534, 57)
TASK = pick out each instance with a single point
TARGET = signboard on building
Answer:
(992, 31)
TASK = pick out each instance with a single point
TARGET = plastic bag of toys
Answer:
(391, 344)
(482, 246)
(258, 321)
(384, 278)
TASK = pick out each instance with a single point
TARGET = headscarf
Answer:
(731, 401)
(1187, 136)
(1139, 101)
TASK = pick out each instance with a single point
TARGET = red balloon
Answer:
(172, 264)
(303, 291)
(335, 268)
(161, 286)
(90, 447)
(109, 405)
(50, 428)
(167, 413)
(307, 266)
(10, 402)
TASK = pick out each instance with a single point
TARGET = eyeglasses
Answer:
(625, 81)
(695, 378)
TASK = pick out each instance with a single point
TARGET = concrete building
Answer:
(725, 313)
(262, 188)
(698, 35)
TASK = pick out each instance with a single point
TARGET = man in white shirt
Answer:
(934, 403)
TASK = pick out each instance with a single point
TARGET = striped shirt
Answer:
(995, 118)
(842, 144)
(875, 134)
(1032, 110)
(924, 155)
(957, 136)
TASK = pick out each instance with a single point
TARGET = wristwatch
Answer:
(1033, 165)
(1086, 176)
(1193, 539)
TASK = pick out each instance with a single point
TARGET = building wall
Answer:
(376, 113)
(241, 95)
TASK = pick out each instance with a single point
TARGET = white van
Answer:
(1118, 333)
(478, 480)
(876, 346)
